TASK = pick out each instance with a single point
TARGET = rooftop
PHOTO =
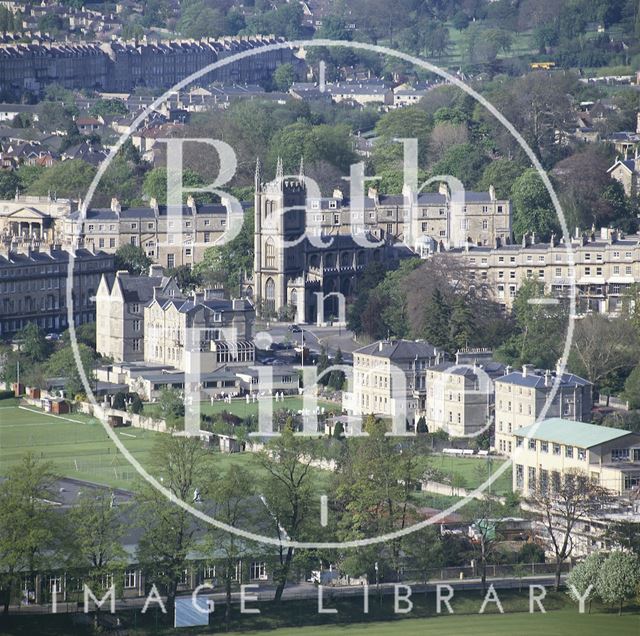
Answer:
(400, 349)
(571, 433)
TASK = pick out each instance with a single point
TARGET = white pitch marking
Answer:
(128, 435)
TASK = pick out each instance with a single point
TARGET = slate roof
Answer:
(400, 349)
(535, 379)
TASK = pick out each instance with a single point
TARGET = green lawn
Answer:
(79, 447)
(559, 623)
(472, 471)
(242, 409)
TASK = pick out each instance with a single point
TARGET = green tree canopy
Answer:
(533, 210)
(133, 259)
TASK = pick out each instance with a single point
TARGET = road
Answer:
(314, 338)
(309, 591)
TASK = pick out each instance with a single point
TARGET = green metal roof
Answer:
(570, 432)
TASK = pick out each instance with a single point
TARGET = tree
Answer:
(133, 259)
(446, 135)
(410, 122)
(321, 366)
(105, 107)
(65, 179)
(632, 388)
(583, 576)
(155, 185)
(9, 184)
(169, 531)
(533, 210)
(436, 328)
(619, 578)
(119, 401)
(540, 330)
(463, 162)
(287, 489)
(501, 174)
(283, 77)
(563, 505)
(28, 523)
(229, 263)
(602, 347)
(34, 344)
(462, 324)
(375, 487)
(485, 514)
(96, 540)
(460, 21)
(63, 364)
(232, 494)
(336, 378)
(625, 534)
(54, 116)
(199, 21)
(171, 406)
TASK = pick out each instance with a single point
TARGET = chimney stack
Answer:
(115, 205)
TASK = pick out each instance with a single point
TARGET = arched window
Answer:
(270, 295)
(270, 253)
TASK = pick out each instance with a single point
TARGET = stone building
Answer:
(545, 453)
(28, 219)
(120, 66)
(626, 172)
(390, 377)
(33, 287)
(217, 332)
(151, 228)
(606, 265)
(305, 246)
(460, 394)
(120, 301)
(520, 397)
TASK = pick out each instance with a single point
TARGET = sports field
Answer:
(79, 447)
(556, 623)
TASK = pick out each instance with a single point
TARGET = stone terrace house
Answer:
(219, 331)
(150, 228)
(544, 453)
(520, 397)
(120, 301)
(607, 264)
(33, 287)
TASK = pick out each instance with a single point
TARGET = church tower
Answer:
(279, 216)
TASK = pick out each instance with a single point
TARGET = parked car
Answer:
(295, 328)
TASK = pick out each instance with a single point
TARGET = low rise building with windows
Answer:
(547, 451)
(171, 240)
